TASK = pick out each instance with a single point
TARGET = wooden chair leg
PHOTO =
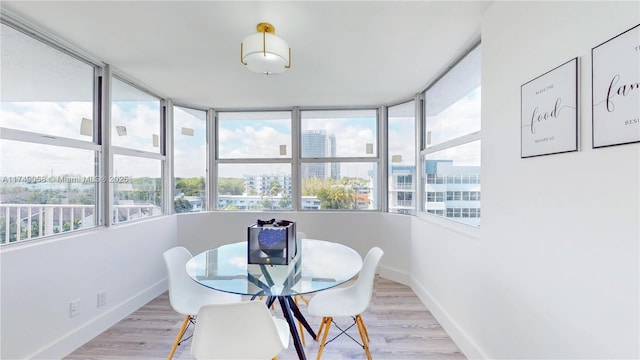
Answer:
(306, 301)
(183, 328)
(320, 329)
(295, 299)
(364, 327)
(363, 335)
(326, 320)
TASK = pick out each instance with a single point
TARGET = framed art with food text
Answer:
(615, 90)
(549, 112)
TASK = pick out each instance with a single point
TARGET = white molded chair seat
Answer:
(243, 330)
(185, 295)
(349, 301)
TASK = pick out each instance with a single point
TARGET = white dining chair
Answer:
(185, 295)
(243, 330)
(349, 301)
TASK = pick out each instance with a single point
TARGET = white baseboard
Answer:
(393, 274)
(457, 334)
(69, 342)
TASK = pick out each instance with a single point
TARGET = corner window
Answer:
(401, 158)
(451, 143)
(48, 153)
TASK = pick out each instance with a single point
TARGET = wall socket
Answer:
(102, 298)
(74, 307)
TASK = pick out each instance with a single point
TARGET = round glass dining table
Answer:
(320, 266)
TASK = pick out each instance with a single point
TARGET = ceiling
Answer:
(344, 53)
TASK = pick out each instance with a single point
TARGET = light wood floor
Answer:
(399, 325)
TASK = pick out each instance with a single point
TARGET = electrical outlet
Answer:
(74, 308)
(102, 298)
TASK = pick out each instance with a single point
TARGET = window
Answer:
(339, 159)
(189, 159)
(254, 187)
(254, 135)
(48, 153)
(254, 161)
(401, 158)
(451, 142)
(138, 155)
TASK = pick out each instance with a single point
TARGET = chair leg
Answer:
(366, 333)
(306, 301)
(320, 329)
(295, 299)
(183, 328)
(326, 320)
(363, 335)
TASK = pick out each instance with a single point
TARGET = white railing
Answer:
(122, 213)
(21, 222)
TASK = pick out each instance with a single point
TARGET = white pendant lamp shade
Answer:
(264, 52)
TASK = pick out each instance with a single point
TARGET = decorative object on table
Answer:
(615, 90)
(549, 112)
(272, 242)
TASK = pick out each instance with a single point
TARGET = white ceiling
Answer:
(355, 53)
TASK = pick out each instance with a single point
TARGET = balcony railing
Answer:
(21, 222)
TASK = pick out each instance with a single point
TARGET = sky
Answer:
(241, 136)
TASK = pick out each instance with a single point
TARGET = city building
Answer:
(319, 144)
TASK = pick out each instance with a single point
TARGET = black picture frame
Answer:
(549, 112)
(615, 90)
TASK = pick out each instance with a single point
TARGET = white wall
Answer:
(359, 230)
(40, 278)
(553, 273)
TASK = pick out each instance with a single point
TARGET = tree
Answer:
(337, 197)
(266, 203)
(12, 230)
(230, 186)
(311, 186)
(191, 187)
(285, 202)
(182, 205)
(275, 188)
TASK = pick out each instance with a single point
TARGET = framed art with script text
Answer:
(615, 91)
(549, 112)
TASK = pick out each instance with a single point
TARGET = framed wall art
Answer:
(549, 112)
(615, 91)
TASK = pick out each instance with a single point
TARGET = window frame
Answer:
(451, 143)
(42, 138)
(217, 161)
(379, 192)
(161, 155)
(171, 145)
(389, 181)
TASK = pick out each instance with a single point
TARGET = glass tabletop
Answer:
(320, 266)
